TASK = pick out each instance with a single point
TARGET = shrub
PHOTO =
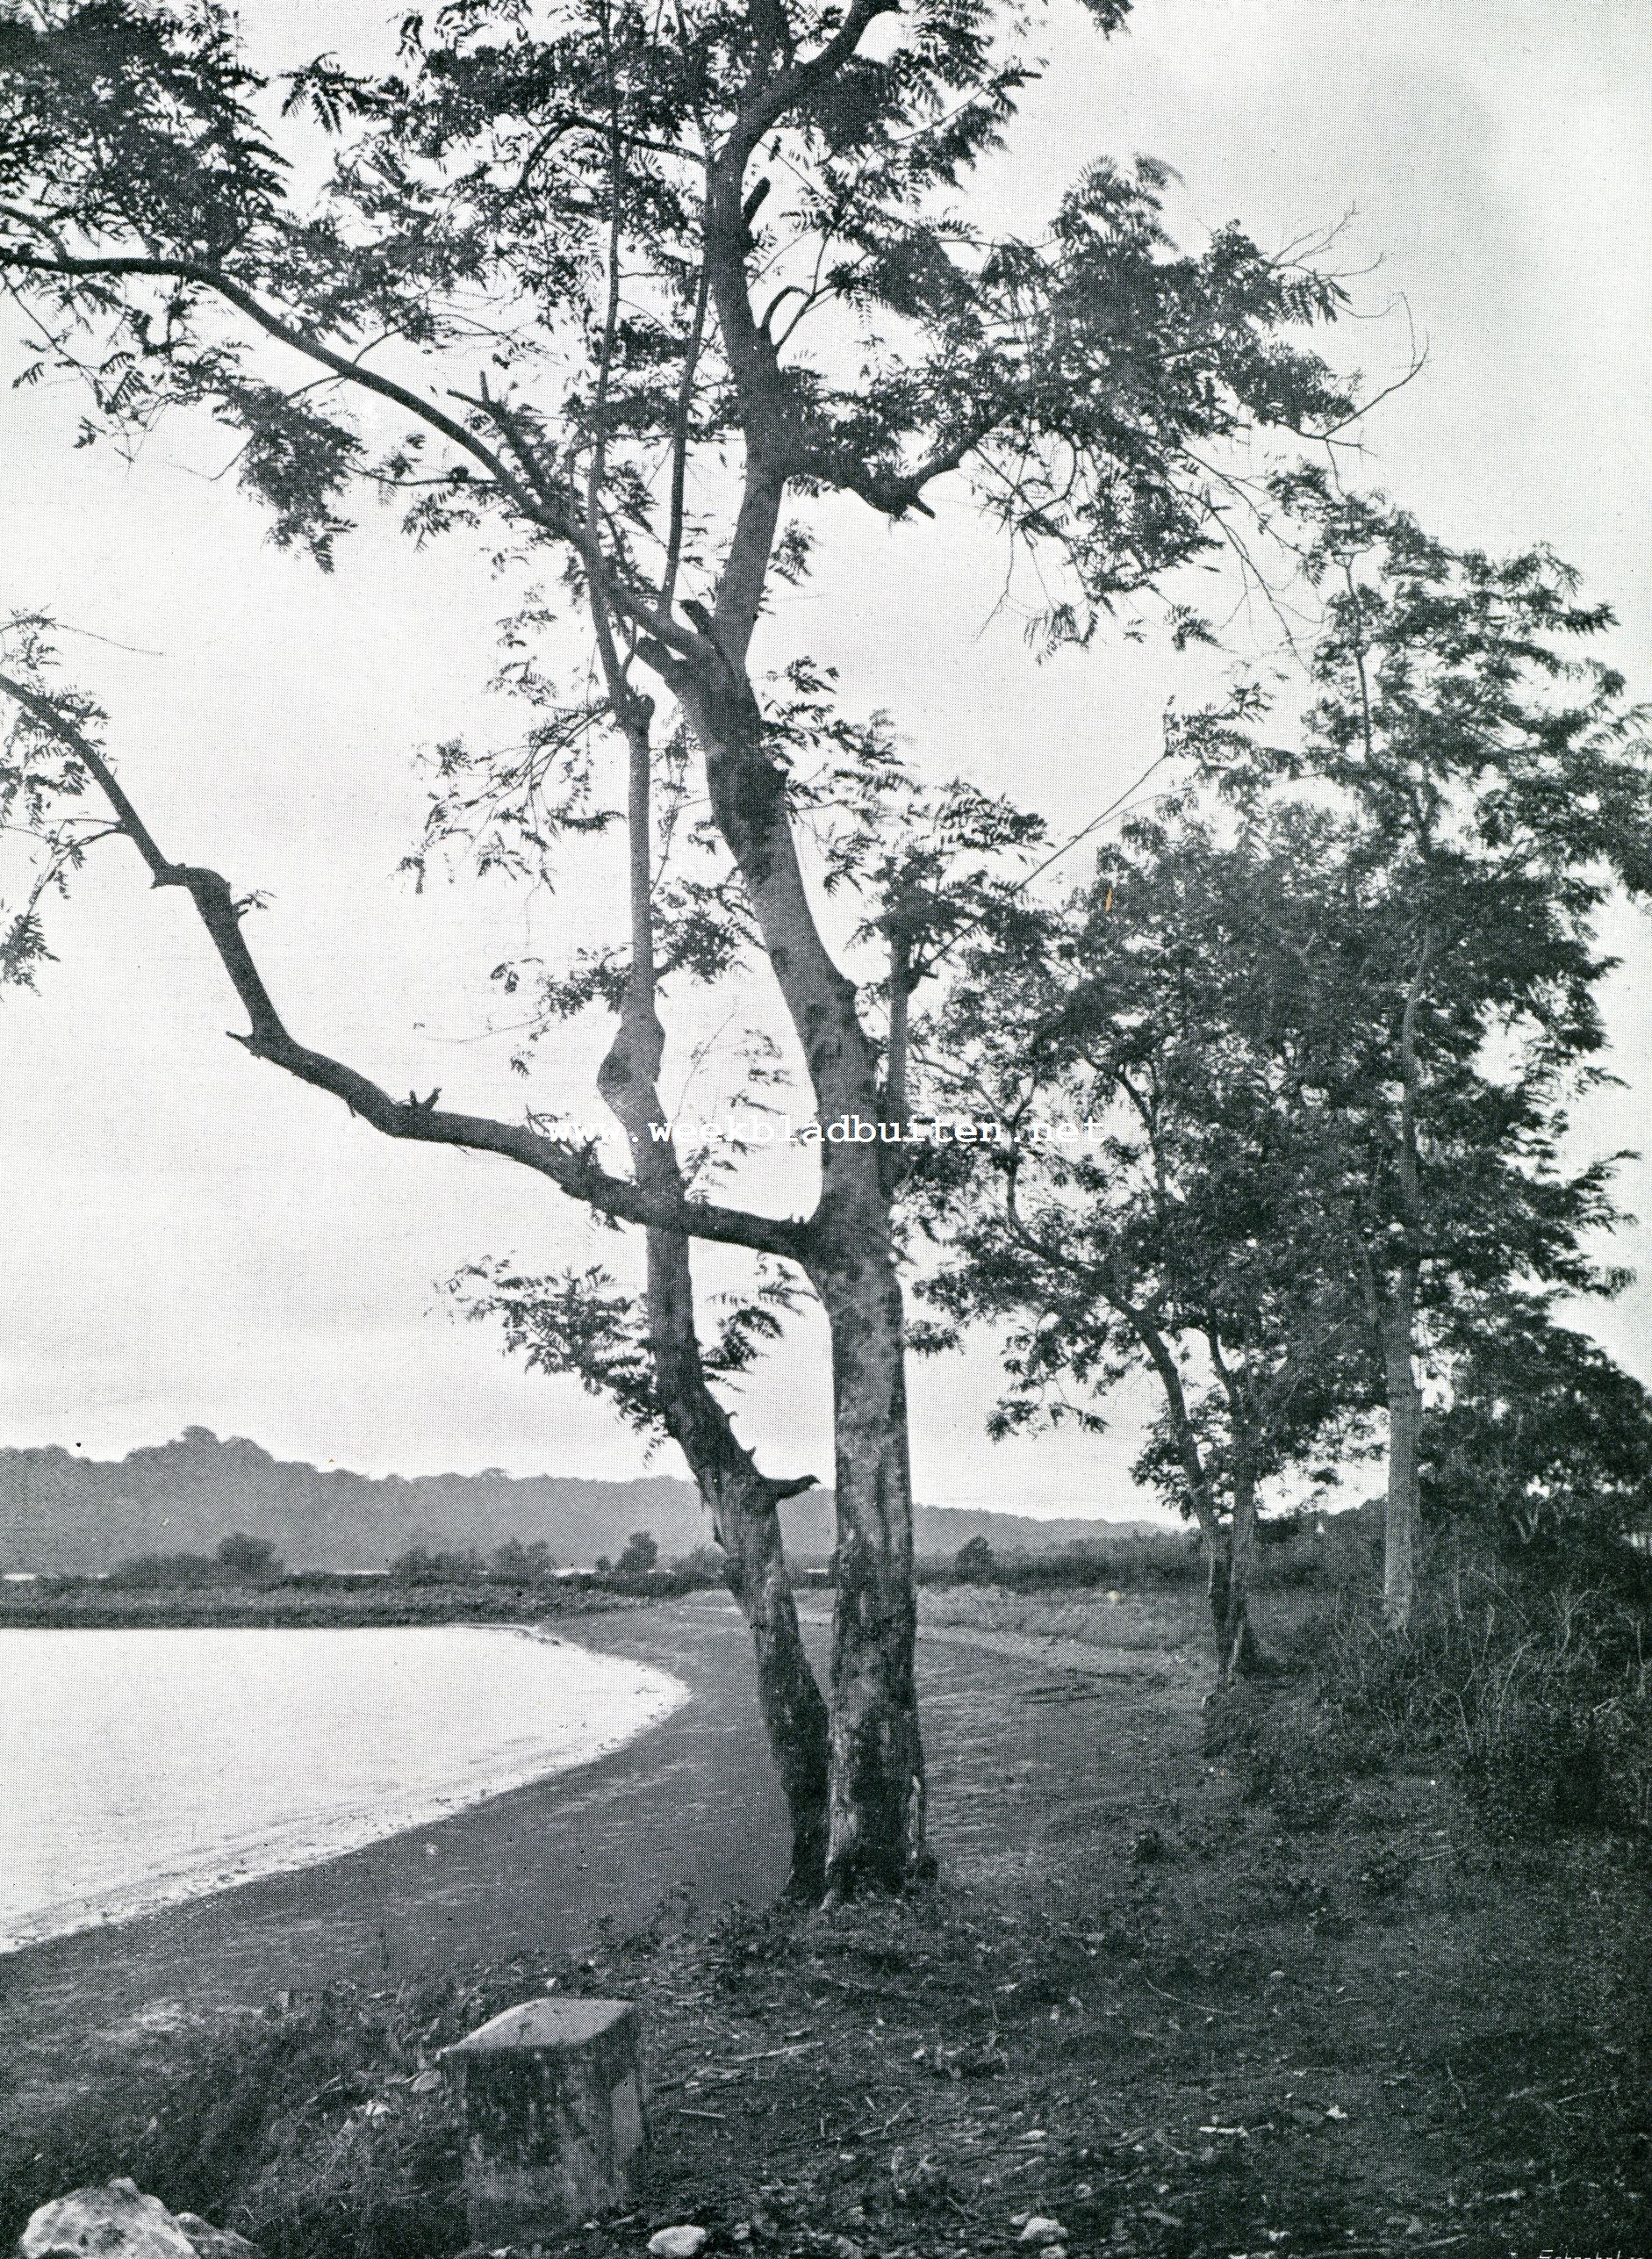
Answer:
(705, 1568)
(1538, 1695)
(249, 1560)
(523, 1564)
(418, 1565)
(1134, 1557)
(156, 1571)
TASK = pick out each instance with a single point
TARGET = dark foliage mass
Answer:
(1328, 1013)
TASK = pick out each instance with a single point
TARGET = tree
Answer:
(524, 1564)
(1544, 1436)
(638, 1554)
(974, 1562)
(250, 1560)
(1490, 788)
(620, 291)
(1160, 1196)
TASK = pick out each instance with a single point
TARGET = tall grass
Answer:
(1532, 1681)
(318, 2130)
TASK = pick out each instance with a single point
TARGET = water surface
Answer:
(140, 1767)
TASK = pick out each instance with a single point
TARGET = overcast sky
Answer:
(191, 1237)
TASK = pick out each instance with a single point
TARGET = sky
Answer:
(192, 1239)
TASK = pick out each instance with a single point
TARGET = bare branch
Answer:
(574, 1169)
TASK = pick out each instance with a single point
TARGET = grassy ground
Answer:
(296, 1606)
(1184, 2024)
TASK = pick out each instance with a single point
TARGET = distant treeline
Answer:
(1129, 1558)
(64, 1514)
(240, 1561)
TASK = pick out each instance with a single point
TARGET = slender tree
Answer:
(620, 287)
(1158, 1197)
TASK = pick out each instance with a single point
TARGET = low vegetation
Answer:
(244, 1585)
(1530, 1680)
(1354, 1962)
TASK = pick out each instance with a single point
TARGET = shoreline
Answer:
(287, 1844)
(691, 1806)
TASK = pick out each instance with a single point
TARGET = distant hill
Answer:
(65, 1514)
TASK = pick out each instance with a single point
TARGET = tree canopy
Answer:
(1327, 1015)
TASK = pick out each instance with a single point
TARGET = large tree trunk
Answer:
(1403, 1511)
(877, 1769)
(743, 1506)
(877, 1765)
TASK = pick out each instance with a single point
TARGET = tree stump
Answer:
(552, 2097)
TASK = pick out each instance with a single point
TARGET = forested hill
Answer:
(65, 1514)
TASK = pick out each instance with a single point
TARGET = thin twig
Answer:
(1176, 2001)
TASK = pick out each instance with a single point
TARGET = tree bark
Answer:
(794, 1708)
(876, 1801)
(1239, 1651)
(743, 1502)
(1402, 1511)
(744, 1505)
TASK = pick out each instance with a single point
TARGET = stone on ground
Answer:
(679, 2243)
(118, 2221)
(552, 2100)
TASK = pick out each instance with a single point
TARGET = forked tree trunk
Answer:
(877, 1759)
(877, 1806)
(1402, 1511)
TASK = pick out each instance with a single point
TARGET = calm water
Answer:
(140, 1767)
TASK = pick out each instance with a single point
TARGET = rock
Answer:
(1042, 2231)
(118, 2221)
(551, 2094)
(679, 2243)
